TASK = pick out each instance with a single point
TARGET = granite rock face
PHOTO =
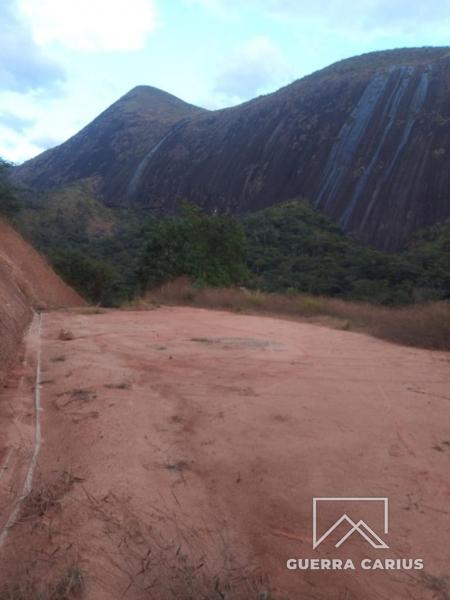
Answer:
(366, 140)
(112, 148)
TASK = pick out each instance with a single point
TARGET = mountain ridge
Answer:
(365, 140)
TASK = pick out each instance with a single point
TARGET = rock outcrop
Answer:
(366, 140)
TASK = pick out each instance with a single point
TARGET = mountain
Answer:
(109, 151)
(366, 141)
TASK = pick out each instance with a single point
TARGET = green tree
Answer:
(93, 279)
(8, 199)
(209, 249)
(292, 247)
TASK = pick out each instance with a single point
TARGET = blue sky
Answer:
(64, 61)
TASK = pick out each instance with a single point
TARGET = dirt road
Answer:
(182, 449)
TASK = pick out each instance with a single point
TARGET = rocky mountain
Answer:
(110, 151)
(366, 140)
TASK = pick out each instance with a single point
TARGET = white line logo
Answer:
(360, 526)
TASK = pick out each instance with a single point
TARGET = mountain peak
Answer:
(147, 96)
(365, 140)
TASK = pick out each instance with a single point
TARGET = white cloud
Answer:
(16, 147)
(381, 16)
(252, 68)
(24, 66)
(91, 25)
(15, 122)
(378, 16)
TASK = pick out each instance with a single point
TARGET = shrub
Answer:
(208, 249)
(92, 278)
(425, 325)
(8, 200)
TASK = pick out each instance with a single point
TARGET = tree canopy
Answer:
(8, 200)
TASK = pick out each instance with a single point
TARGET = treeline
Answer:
(287, 248)
(9, 204)
(293, 248)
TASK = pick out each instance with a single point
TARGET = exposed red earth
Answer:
(27, 283)
(182, 448)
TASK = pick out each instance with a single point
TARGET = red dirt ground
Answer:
(182, 445)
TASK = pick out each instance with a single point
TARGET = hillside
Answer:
(26, 283)
(112, 150)
(365, 140)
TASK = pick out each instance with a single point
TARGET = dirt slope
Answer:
(183, 444)
(27, 282)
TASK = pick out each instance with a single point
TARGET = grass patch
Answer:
(60, 358)
(90, 310)
(68, 586)
(420, 325)
(122, 385)
(47, 497)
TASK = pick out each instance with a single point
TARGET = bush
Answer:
(8, 200)
(293, 248)
(425, 326)
(208, 249)
(92, 278)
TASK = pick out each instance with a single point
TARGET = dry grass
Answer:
(439, 585)
(68, 586)
(47, 497)
(122, 385)
(90, 310)
(65, 335)
(166, 557)
(421, 325)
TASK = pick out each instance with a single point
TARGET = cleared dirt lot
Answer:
(185, 445)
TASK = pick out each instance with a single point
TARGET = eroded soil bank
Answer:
(27, 283)
(182, 448)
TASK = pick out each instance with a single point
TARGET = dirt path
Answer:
(184, 445)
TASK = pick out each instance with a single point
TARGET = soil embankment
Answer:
(27, 283)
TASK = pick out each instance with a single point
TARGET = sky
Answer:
(62, 62)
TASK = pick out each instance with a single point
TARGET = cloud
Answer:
(14, 146)
(390, 16)
(14, 122)
(91, 25)
(385, 16)
(46, 141)
(407, 16)
(251, 69)
(24, 66)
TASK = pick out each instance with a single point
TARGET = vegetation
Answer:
(8, 200)
(110, 256)
(291, 260)
(94, 279)
(291, 248)
(209, 249)
(386, 59)
(422, 325)
(69, 586)
(70, 225)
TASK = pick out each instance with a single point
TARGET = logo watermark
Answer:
(360, 527)
(342, 529)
